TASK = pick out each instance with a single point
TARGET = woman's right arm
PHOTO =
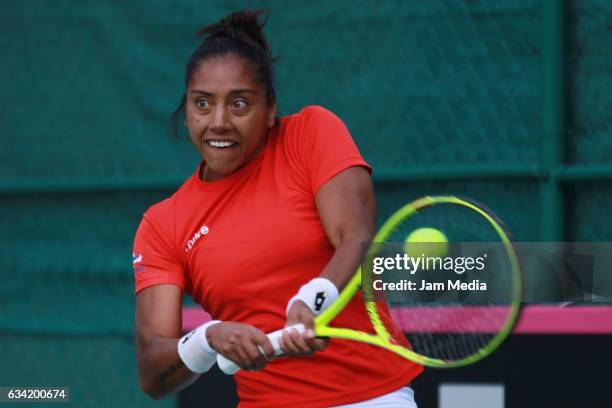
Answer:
(158, 329)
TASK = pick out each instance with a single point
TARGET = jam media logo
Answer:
(136, 262)
(199, 233)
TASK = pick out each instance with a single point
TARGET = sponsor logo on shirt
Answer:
(199, 233)
(136, 260)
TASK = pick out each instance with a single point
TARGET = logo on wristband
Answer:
(319, 300)
(187, 337)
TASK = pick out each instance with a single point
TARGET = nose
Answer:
(220, 122)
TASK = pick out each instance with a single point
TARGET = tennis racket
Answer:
(448, 318)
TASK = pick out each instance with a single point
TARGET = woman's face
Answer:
(227, 114)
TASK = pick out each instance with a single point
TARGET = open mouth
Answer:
(221, 144)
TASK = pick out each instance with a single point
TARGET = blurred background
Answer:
(505, 101)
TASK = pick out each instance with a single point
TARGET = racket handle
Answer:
(229, 367)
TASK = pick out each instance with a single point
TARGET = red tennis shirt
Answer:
(243, 245)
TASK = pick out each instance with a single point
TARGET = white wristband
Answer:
(194, 350)
(318, 294)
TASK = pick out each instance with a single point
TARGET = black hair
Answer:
(239, 33)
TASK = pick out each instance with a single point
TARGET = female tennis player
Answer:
(264, 234)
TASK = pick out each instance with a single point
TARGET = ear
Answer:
(272, 115)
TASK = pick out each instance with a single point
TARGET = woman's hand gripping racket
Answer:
(454, 303)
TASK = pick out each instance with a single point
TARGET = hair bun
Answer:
(243, 26)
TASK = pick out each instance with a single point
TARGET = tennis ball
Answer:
(430, 242)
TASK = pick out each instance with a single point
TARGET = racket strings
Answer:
(449, 324)
(445, 337)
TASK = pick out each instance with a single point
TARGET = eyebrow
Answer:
(232, 93)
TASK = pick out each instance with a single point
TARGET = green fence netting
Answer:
(442, 97)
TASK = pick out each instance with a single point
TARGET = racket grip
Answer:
(229, 367)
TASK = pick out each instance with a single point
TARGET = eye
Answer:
(239, 104)
(202, 103)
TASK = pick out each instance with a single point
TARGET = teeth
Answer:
(218, 143)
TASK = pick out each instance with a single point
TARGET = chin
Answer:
(221, 172)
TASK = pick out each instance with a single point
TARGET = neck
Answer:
(204, 172)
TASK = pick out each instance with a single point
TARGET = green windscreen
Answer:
(441, 98)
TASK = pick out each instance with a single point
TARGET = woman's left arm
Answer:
(347, 209)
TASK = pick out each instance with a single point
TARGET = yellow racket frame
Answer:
(382, 338)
